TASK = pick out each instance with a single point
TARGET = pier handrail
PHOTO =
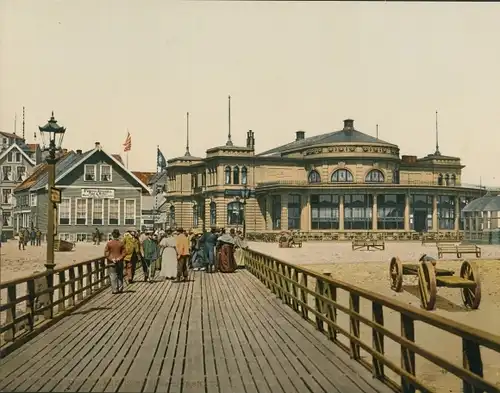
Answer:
(290, 283)
(48, 296)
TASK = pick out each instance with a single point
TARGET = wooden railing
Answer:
(319, 235)
(381, 333)
(31, 302)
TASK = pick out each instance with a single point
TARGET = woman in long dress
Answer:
(227, 263)
(168, 257)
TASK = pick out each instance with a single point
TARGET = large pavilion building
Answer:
(341, 181)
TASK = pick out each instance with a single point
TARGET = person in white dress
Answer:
(168, 257)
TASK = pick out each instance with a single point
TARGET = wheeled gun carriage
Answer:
(430, 277)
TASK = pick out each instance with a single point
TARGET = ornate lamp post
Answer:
(52, 137)
(245, 194)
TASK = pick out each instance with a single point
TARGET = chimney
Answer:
(98, 145)
(300, 135)
(79, 152)
(348, 125)
(250, 139)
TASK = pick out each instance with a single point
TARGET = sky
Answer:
(106, 66)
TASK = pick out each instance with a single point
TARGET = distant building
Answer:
(150, 203)
(340, 181)
(98, 191)
(17, 160)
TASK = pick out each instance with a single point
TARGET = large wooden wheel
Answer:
(471, 295)
(396, 274)
(427, 285)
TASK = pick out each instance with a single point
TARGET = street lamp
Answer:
(245, 194)
(52, 137)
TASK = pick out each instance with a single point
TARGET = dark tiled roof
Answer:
(38, 171)
(145, 177)
(336, 137)
(157, 177)
(10, 135)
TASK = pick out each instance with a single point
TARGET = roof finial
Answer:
(52, 115)
(437, 152)
(377, 131)
(15, 123)
(187, 135)
(229, 141)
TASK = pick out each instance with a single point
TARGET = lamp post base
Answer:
(50, 266)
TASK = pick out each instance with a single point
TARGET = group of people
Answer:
(33, 236)
(172, 252)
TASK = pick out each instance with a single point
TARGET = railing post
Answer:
(10, 334)
(285, 288)
(319, 305)
(331, 311)
(354, 325)
(295, 279)
(303, 296)
(95, 273)
(79, 283)
(62, 291)
(377, 340)
(88, 273)
(275, 288)
(49, 313)
(471, 352)
(71, 288)
(407, 356)
(30, 304)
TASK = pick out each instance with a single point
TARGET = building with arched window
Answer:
(340, 181)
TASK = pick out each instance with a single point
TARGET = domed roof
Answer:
(483, 204)
(347, 135)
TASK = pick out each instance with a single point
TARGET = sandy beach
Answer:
(370, 270)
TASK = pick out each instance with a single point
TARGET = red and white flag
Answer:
(127, 145)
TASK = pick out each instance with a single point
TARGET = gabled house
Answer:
(97, 191)
(16, 163)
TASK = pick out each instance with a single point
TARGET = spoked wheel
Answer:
(427, 285)
(471, 296)
(396, 274)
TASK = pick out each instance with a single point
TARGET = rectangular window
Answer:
(7, 219)
(130, 206)
(21, 173)
(390, 211)
(89, 173)
(81, 237)
(294, 209)
(81, 211)
(446, 212)
(358, 210)
(18, 157)
(7, 196)
(113, 212)
(33, 199)
(421, 213)
(97, 212)
(325, 211)
(10, 157)
(7, 174)
(106, 174)
(65, 211)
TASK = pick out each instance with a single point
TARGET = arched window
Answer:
(235, 213)
(314, 177)
(375, 176)
(440, 179)
(213, 214)
(447, 179)
(236, 175)
(244, 173)
(195, 215)
(171, 214)
(227, 175)
(342, 176)
(453, 181)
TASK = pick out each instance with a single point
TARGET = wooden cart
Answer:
(430, 277)
(63, 245)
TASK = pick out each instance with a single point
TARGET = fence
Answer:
(362, 323)
(34, 302)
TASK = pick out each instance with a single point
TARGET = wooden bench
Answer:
(367, 244)
(458, 250)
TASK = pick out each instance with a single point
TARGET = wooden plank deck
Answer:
(216, 333)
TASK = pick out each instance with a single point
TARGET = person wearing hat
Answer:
(132, 253)
(114, 252)
(182, 248)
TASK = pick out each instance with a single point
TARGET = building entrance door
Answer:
(420, 221)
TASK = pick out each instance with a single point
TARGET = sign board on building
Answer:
(55, 195)
(98, 193)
